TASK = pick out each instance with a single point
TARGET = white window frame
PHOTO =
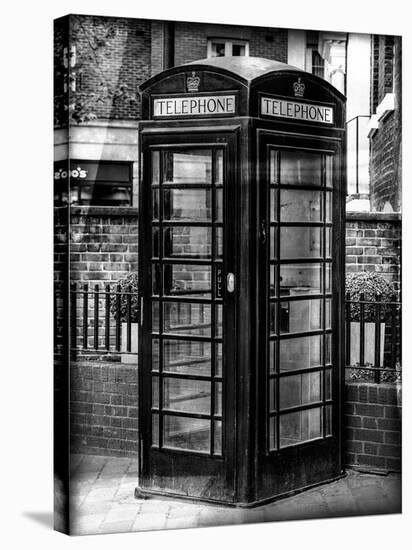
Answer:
(229, 43)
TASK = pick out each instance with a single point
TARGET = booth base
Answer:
(145, 494)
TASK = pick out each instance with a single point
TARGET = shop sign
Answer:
(296, 110)
(62, 173)
(194, 106)
(91, 171)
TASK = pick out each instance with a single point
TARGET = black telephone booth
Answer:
(242, 200)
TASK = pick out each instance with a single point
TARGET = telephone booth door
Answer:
(187, 258)
(300, 270)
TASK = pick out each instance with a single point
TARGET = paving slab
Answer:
(103, 501)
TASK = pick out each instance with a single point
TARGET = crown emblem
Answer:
(192, 83)
(299, 88)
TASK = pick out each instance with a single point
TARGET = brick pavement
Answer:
(103, 501)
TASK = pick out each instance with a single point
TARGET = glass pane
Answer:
(219, 167)
(328, 349)
(300, 279)
(187, 167)
(155, 429)
(301, 315)
(219, 242)
(272, 394)
(155, 392)
(300, 168)
(188, 280)
(273, 204)
(328, 384)
(328, 206)
(186, 395)
(300, 242)
(155, 204)
(155, 242)
(300, 353)
(300, 206)
(327, 314)
(219, 205)
(187, 242)
(301, 389)
(301, 426)
(272, 280)
(272, 433)
(187, 357)
(218, 49)
(218, 438)
(155, 317)
(219, 320)
(218, 398)
(273, 243)
(219, 359)
(155, 354)
(187, 318)
(328, 277)
(156, 279)
(328, 420)
(328, 242)
(272, 356)
(274, 175)
(187, 204)
(155, 168)
(238, 49)
(272, 318)
(329, 170)
(192, 434)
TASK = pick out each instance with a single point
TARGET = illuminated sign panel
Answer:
(194, 106)
(296, 110)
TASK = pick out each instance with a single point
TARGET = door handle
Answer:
(230, 282)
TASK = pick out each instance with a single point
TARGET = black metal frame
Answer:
(157, 453)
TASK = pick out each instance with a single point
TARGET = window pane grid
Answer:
(186, 287)
(316, 193)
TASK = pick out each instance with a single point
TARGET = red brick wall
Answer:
(373, 243)
(191, 40)
(373, 426)
(104, 409)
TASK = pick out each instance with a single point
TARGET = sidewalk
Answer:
(103, 501)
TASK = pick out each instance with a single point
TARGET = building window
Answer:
(318, 64)
(220, 47)
(91, 183)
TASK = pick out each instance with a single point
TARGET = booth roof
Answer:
(244, 66)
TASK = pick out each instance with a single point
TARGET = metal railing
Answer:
(373, 339)
(103, 319)
(103, 322)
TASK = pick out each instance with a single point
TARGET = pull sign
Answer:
(219, 281)
(230, 282)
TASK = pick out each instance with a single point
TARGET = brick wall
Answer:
(373, 426)
(373, 243)
(112, 57)
(103, 243)
(191, 40)
(104, 408)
